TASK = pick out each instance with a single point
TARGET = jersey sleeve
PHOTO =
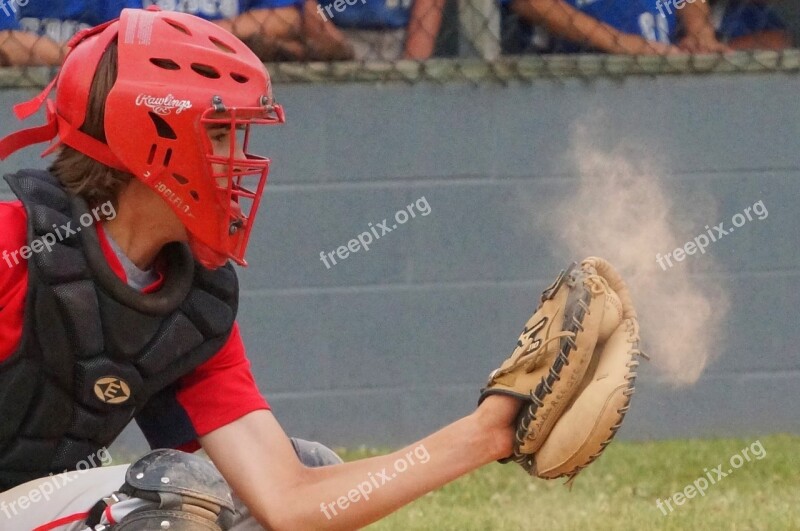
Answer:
(13, 276)
(217, 393)
(221, 390)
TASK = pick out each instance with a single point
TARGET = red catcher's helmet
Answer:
(178, 76)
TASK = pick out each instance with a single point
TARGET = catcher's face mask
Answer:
(180, 80)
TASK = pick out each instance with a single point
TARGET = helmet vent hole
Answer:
(239, 78)
(178, 26)
(152, 155)
(166, 64)
(180, 178)
(221, 45)
(167, 157)
(163, 129)
(206, 70)
(194, 195)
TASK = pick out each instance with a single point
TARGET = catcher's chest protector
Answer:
(95, 351)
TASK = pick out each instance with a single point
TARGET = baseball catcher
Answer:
(119, 303)
(574, 368)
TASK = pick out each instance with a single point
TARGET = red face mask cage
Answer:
(239, 176)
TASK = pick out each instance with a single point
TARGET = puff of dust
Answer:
(622, 212)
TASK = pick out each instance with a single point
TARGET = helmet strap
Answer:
(57, 126)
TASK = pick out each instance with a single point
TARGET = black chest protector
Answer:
(95, 351)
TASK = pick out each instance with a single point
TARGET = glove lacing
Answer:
(531, 359)
(597, 284)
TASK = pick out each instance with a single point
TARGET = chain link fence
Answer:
(443, 40)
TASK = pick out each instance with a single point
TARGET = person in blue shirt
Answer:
(61, 19)
(636, 27)
(750, 25)
(22, 48)
(385, 29)
(274, 29)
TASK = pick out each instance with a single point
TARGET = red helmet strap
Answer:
(56, 126)
(21, 139)
(28, 108)
(34, 135)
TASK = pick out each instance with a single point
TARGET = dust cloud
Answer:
(622, 210)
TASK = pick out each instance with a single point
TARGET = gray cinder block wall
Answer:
(392, 343)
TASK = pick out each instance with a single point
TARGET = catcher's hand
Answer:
(574, 369)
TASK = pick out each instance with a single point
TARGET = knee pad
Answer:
(178, 491)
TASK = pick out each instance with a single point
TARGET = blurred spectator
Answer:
(274, 29)
(324, 41)
(385, 29)
(749, 25)
(638, 27)
(22, 48)
(59, 20)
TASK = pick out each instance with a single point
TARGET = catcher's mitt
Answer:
(574, 369)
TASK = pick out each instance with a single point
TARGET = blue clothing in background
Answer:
(219, 9)
(8, 19)
(637, 17)
(61, 19)
(742, 18)
(368, 14)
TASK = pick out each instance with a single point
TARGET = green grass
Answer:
(619, 492)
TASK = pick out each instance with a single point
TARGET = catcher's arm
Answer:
(258, 461)
(587, 328)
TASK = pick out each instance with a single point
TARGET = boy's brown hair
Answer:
(80, 174)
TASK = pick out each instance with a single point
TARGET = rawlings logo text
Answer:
(163, 105)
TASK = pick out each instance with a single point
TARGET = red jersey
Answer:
(217, 393)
